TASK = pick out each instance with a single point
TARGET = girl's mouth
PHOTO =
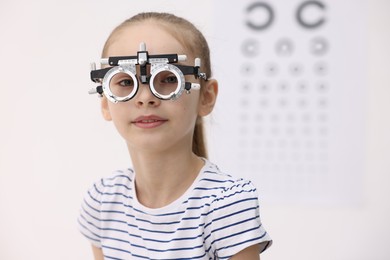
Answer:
(149, 121)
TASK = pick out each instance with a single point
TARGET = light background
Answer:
(54, 143)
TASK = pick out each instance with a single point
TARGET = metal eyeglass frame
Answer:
(158, 63)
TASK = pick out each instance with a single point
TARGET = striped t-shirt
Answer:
(217, 217)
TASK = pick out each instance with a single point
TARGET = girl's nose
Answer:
(145, 97)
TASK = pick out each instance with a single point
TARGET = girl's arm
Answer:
(97, 253)
(250, 253)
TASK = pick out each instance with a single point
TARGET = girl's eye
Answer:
(171, 79)
(126, 83)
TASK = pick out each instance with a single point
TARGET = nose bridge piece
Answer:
(145, 94)
(143, 59)
(144, 74)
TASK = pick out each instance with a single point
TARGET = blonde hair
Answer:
(192, 40)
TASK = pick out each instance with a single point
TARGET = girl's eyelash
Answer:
(123, 82)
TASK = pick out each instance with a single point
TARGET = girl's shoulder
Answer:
(116, 181)
(222, 184)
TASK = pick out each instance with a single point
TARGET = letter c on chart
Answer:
(303, 21)
(262, 25)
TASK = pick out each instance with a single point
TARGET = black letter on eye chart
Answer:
(261, 26)
(301, 9)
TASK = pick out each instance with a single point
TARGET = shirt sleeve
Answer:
(233, 223)
(89, 221)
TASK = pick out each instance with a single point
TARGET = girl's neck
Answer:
(161, 178)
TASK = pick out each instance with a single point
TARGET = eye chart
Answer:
(290, 113)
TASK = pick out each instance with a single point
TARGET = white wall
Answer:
(54, 144)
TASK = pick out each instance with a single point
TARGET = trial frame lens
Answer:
(111, 83)
(160, 85)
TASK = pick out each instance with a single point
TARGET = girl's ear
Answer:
(105, 109)
(208, 97)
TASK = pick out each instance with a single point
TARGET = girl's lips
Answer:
(148, 121)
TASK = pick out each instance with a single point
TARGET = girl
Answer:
(173, 203)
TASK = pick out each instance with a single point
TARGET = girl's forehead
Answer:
(158, 40)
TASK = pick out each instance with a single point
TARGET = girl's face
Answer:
(146, 122)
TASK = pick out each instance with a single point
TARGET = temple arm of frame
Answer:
(189, 85)
(97, 75)
(97, 90)
(190, 70)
